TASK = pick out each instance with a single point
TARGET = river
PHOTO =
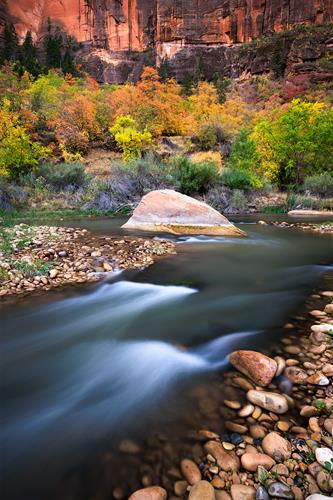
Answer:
(83, 367)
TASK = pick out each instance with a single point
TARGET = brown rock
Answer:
(246, 411)
(257, 431)
(180, 488)
(202, 490)
(269, 401)
(296, 374)
(329, 308)
(328, 424)
(328, 370)
(242, 492)
(172, 212)
(227, 460)
(318, 379)
(292, 349)
(276, 446)
(258, 367)
(190, 471)
(233, 427)
(151, 493)
(222, 495)
(250, 461)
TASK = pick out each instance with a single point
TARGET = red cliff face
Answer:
(109, 29)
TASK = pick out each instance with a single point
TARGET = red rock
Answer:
(180, 30)
(168, 211)
(258, 367)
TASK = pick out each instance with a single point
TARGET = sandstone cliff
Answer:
(117, 35)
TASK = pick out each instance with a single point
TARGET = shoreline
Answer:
(45, 257)
(277, 423)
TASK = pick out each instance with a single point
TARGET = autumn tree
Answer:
(18, 152)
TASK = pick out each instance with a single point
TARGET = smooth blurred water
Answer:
(91, 364)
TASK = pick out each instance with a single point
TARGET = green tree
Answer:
(53, 45)
(129, 138)
(164, 69)
(296, 143)
(29, 56)
(221, 84)
(279, 62)
(68, 66)
(10, 49)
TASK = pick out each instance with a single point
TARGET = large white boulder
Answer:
(171, 212)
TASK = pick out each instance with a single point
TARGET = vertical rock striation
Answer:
(110, 31)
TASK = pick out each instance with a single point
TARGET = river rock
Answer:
(324, 455)
(329, 308)
(323, 327)
(227, 460)
(281, 364)
(317, 379)
(250, 461)
(318, 496)
(280, 490)
(296, 374)
(258, 367)
(242, 492)
(328, 424)
(328, 370)
(276, 446)
(222, 495)
(325, 481)
(171, 212)
(270, 401)
(151, 493)
(190, 471)
(202, 490)
(262, 494)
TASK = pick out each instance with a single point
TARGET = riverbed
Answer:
(85, 367)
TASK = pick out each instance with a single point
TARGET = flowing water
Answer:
(85, 366)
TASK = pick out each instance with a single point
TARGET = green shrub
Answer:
(320, 185)
(207, 137)
(244, 159)
(236, 179)
(195, 177)
(62, 176)
(238, 201)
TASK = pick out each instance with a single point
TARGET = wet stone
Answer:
(280, 490)
(262, 494)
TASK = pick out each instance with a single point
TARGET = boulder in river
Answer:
(258, 367)
(167, 211)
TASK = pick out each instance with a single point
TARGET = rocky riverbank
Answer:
(322, 228)
(276, 431)
(43, 257)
